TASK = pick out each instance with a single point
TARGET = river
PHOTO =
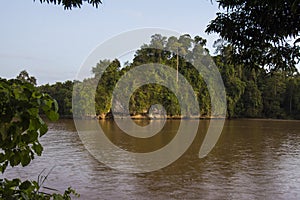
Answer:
(253, 159)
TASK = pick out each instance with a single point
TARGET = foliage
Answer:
(62, 93)
(106, 84)
(233, 82)
(17, 190)
(274, 91)
(259, 32)
(24, 77)
(250, 92)
(160, 50)
(292, 97)
(69, 4)
(21, 126)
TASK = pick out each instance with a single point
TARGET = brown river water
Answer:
(253, 159)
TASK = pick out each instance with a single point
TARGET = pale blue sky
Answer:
(51, 43)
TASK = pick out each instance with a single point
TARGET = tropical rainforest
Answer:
(256, 55)
(251, 92)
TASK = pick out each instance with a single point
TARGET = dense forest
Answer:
(256, 55)
(251, 92)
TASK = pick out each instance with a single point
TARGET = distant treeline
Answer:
(251, 92)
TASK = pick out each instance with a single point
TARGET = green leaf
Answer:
(43, 129)
(14, 183)
(15, 159)
(57, 197)
(33, 136)
(25, 185)
(3, 166)
(38, 149)
(52, 115)
(33, 111)
(34, 124)
(2, 157)
(25, 158)
(55, 106)
(36, 95)
(25, 138)
(48, 102)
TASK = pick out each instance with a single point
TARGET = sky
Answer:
(51, 43)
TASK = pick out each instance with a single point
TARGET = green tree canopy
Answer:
(263, 33)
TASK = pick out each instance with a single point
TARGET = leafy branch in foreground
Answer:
(20, 123)
(16, 189)
(261, 33)
(21, 126)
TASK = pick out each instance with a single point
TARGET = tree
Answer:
(250, 104)
(259, 31)
(106, 84)
(69, 4)
(235, 87)
(251, 92)
(24, 77)
(21, 126)
(292, 98)
(274, 92)
(62, 93)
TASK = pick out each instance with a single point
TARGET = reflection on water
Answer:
(254, 159)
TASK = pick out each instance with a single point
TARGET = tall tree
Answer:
(274, 92)
(251, 103)
(292, 98)
(106, 84)
(25, 77)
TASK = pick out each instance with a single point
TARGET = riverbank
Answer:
(146, 117)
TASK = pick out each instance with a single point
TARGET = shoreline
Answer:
(145, 117)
